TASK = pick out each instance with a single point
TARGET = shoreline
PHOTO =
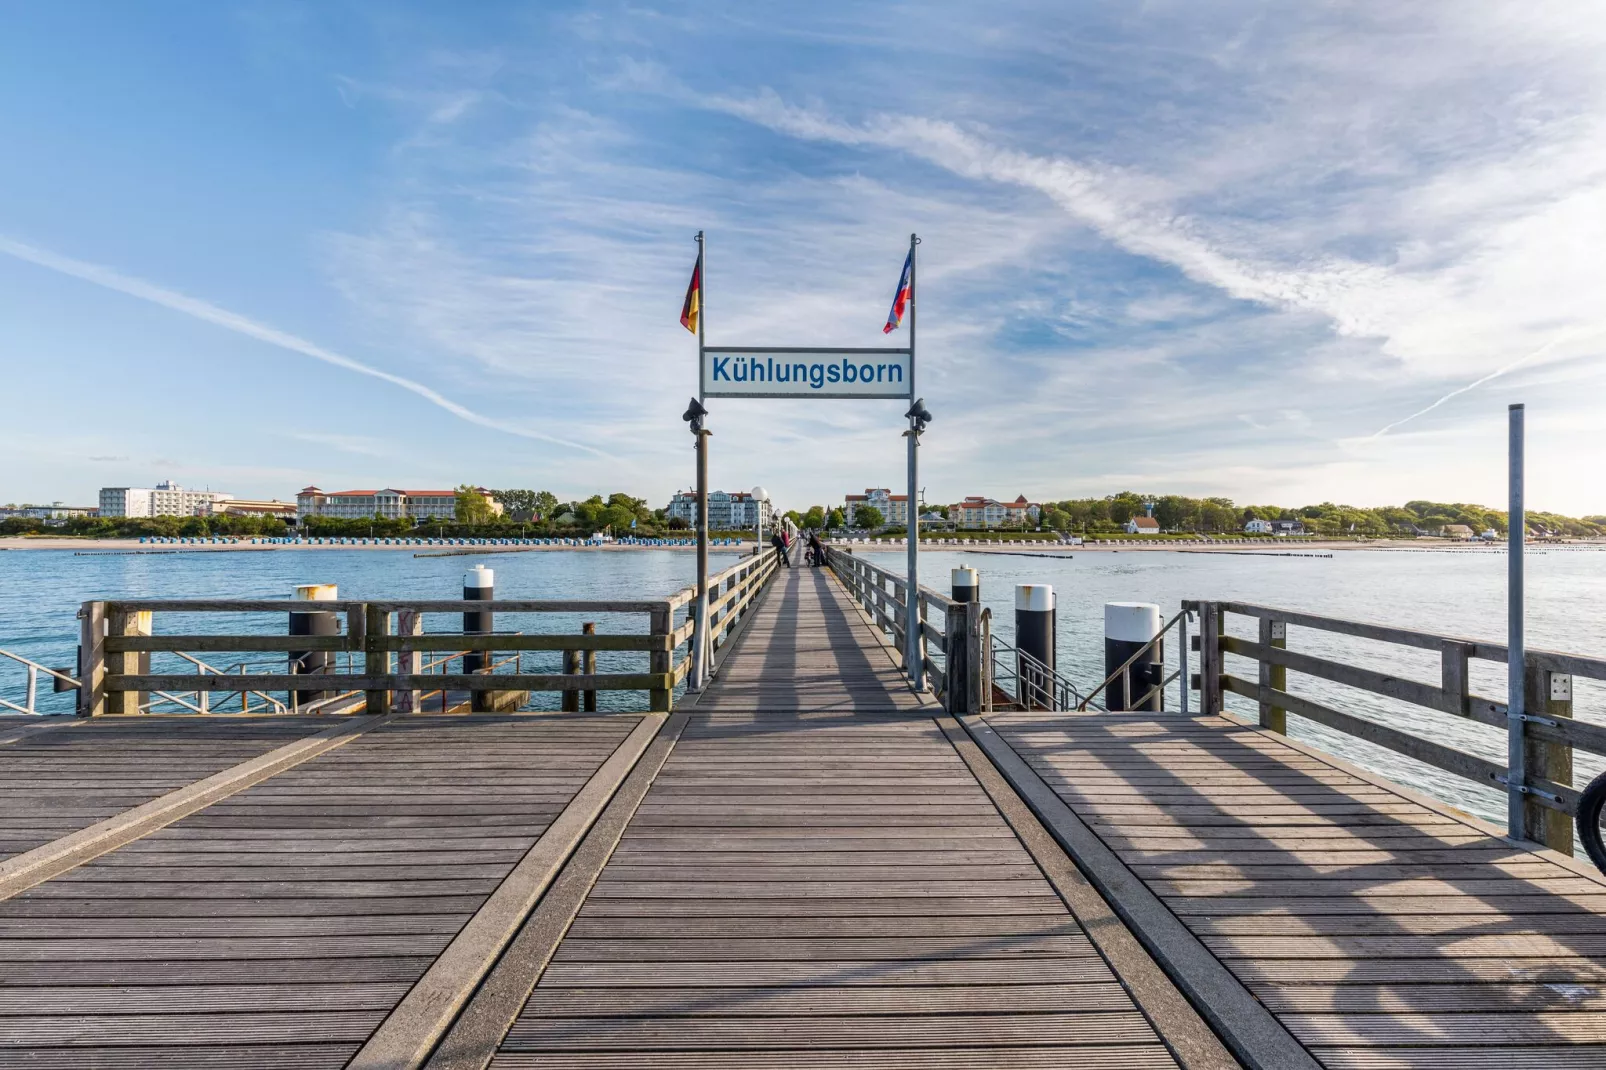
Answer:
(1314, 548)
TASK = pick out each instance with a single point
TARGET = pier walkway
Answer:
(807, 865)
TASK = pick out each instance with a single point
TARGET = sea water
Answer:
(1454, 593)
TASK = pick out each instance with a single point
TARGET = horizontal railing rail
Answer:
(1546, 733)
(384, 648)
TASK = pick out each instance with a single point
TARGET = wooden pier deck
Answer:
(807, 865)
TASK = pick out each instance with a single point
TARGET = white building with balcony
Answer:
(165, 499)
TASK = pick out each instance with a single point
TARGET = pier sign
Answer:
(734, 372)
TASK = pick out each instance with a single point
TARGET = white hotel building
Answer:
(390, 503)
(165, 499)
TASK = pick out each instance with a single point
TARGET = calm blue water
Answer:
(41, 590)
(1451, 593)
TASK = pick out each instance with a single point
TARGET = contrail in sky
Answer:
(232, 321)
(1497, 373)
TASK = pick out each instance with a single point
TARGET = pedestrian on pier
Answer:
(778, 541)
(816, 553)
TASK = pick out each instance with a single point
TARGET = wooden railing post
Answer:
(979, 677)
(958, 667)
(569, 702)
(1453, 679)
(408, 662)
(661, 662)
(1210, 659)
(1273, 635)
(92, 659)
(589, 665)
(1550, 695)
(375, 658)
(123, 623)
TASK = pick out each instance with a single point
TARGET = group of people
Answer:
(813, 556)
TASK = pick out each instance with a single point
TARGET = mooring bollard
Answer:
(479, 585)
(1127, 627)
(320, 622)
(1035, 635)
(965, 584)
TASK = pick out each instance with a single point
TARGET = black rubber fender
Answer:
(1590, 805)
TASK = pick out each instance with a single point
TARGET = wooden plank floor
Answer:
(278, 927)
(1381, 932)
(67, 777)
(815, 879)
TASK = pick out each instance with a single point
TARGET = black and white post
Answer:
(479, 585)
(1035, 637)
(1516, 655)
(1128, 627)
(964, 584)
(321, 623)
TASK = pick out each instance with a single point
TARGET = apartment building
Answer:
(165, 499)
(727, 510)
(894, 508)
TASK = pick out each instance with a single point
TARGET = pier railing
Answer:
(1545, 737)
(391, 662)
(957, 655)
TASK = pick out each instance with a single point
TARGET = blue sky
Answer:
(1251, 249)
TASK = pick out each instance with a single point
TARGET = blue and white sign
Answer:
(730, 372)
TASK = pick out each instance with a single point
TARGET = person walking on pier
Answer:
(816, 553)
(778, 541)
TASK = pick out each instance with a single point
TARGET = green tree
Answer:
(546, 505)
(472, 507)
(835, 519)
(519, 504)
(868, 516)
(815, 517)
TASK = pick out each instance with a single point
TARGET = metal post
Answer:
(312, 662)
(1128, 627)
(1182, 662)
(700, 667)
(1516, 655)
(914, 646)
(479, 585)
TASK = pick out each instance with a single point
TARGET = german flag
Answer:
(693, 307)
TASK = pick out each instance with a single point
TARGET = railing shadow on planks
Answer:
(117, 641)
(1545, 737)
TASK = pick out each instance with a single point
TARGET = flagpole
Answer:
(701, 671)
(913, 640)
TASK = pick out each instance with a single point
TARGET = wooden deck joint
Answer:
(418, 1022)
(1253, 1033)
(475, 1035)
(24, 871)
(1176, 1021)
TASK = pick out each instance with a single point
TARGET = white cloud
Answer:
(233, 321)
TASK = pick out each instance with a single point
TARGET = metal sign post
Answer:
(914, 646)
(794, 372)
(1516, 656)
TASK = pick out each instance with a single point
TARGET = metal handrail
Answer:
(34, 669)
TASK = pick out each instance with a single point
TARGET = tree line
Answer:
(1208, 516)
